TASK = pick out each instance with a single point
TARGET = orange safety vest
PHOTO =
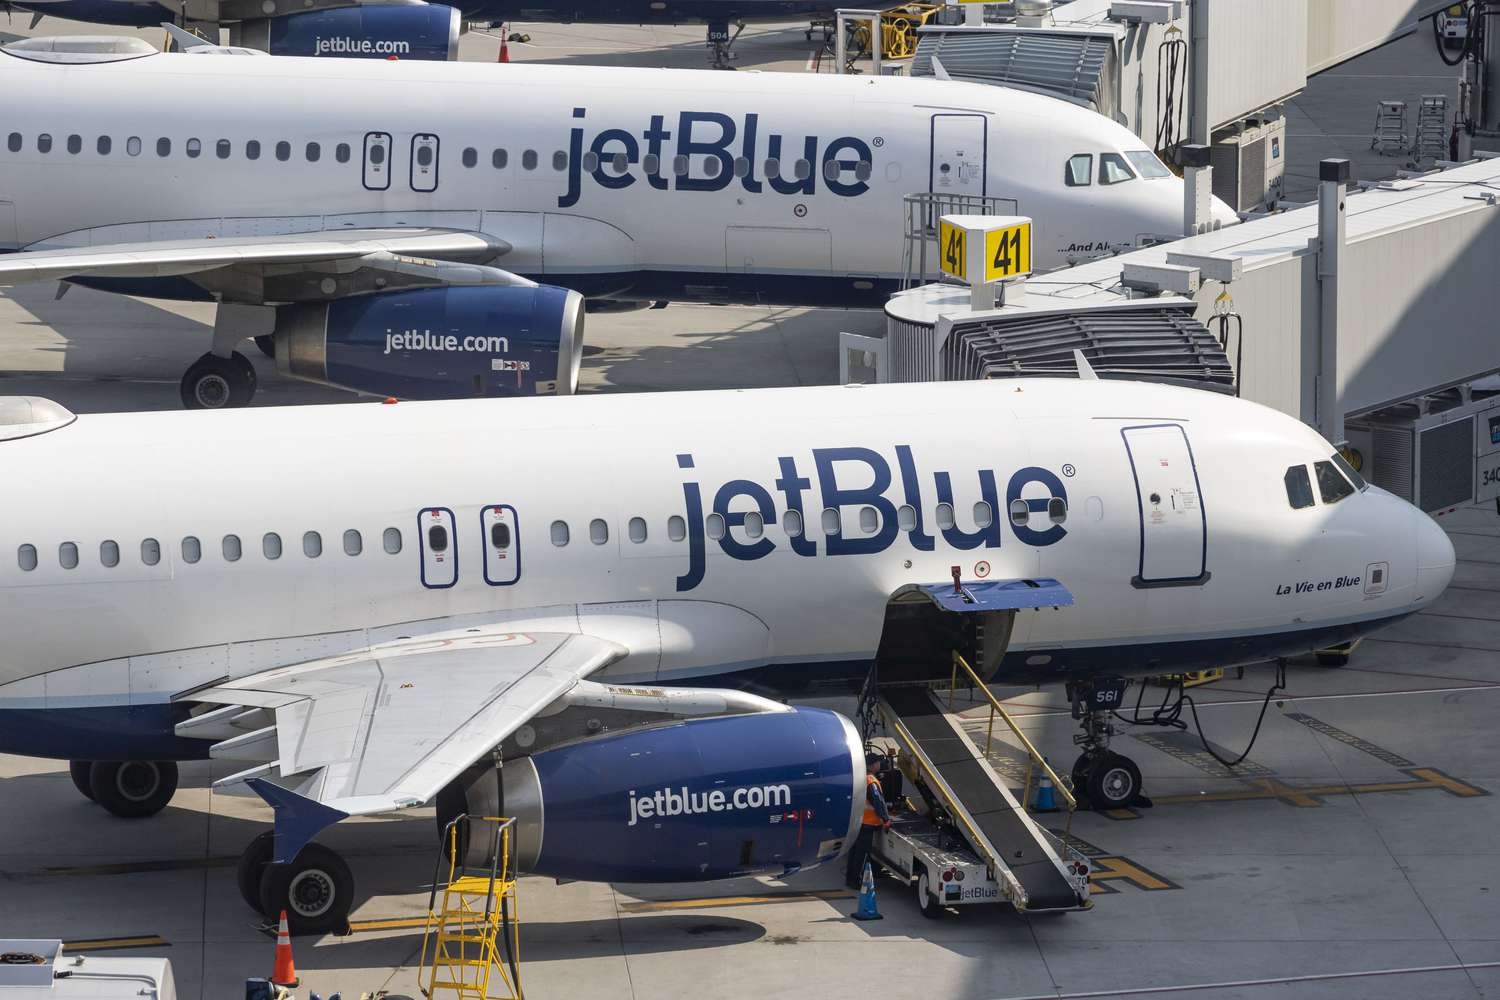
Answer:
(872, 818)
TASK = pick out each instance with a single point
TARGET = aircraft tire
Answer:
(267, 344)
(252, 865)
(1114, 781)
(78, 770)
(215, 383)
(316, 891)
(133, 789)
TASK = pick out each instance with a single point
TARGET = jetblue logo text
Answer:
(345, 46)
(850, 483)
(709, 151)
(426, 340)
(681, 802)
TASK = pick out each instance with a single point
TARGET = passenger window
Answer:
(741, 167)
(75, 144)
(150, 551)
(341, 152)
(270, 545)
(354, 543)
(1332, 487)
(192, 549)
(103, 145)
(283, 151)
(1113, 169)
(1080, 170)
(773, 167)
(1298, 487)
(559, 533)
(906, 517)
(676, 528)
(711, 167)
(1057, 510)
(67, 554)
(231, 548)
(983, 514)
(313, 152)
(714, 526)
(222, 149)
(651, 163)
(528, 160)
(680, 165)
(424, 156)
(391, 540)
(133, 145)
(560, 160)
(1020, 512)
(637, 529)
(312, 544)
(252, 151)
(945, 518)
(803, 170)
(163, 147)
(26, 558)
(598, 531)
(791, 523)
(437, 538)
(831, 170)
(498, 158)
(862, 170)
(832, 522)
(13, 142)
(470, 156)
(500, 535)
(193, 148)
(109, 553)
(869, 520)
(1350, 473)
(44, 143)
(755, 525)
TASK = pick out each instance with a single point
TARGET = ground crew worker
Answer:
(876, 816)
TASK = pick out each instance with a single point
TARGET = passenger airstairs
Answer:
(1036, 870)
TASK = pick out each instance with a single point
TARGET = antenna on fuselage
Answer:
(1085, 370)
(938, 70)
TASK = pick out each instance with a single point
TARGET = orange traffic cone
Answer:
(285, 973)
(504, 39)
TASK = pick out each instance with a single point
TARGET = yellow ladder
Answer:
(461, 946)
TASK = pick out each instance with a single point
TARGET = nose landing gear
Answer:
(1102, 778)
(721, 42)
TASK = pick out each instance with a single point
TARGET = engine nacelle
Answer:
(376, 31)
(438, 343)
(704, 799)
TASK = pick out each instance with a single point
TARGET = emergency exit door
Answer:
(424, 162)
(438, 546)
(502, 544)
(377, 160)
(1174, 533)
(959, 149)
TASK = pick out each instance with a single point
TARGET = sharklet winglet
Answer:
(298, 819)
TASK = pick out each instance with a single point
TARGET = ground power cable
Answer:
(1170, 715)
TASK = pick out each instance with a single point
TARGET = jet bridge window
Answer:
(1113, 169)
(103, 145)
(26, 558)
(1298, 487)
(13, 142)
(75, 144)
(1080, 170)
(67, 555)
(44, 143)
(1147, 165)
(1332, 487)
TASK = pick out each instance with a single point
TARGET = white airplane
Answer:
(422, 587)
(353, 215)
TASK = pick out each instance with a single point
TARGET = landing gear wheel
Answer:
(253, 861)
(1114, 781)
(267, 344)
(133, 788)
(927, 903)
(316, 891)
(214, 383)
(78, 770)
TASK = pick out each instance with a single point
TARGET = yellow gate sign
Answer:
(952, 249)
(1007, 252)
(982, 249)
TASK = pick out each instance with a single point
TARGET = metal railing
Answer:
(1034, 756)
(923, 211)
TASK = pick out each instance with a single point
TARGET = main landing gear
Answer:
(721, 42)
(214, 382)
(131, 789)
(1105, 779)
(316, 890)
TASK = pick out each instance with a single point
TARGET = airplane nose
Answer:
(1435, 559)
(1222, 213)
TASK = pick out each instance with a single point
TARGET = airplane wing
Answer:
(440, 256)
(385, 728)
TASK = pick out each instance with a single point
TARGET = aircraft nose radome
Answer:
(1435, 558)
(1222, 213)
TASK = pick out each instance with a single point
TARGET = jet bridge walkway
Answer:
(1037, 872)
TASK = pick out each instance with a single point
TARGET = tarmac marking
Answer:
(1185, 748)
(1312, 796)
(714, 902)
(1105, 868)
(116, 943)
(1349, 739)
(391, 924)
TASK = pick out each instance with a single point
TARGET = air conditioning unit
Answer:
(1437, 460)
(1250, 165)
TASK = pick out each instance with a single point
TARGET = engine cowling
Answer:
(375, 31)
(438, 343)
(703, 799)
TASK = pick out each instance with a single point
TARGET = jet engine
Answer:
(374, 31)
(703, 799)
(438, 343)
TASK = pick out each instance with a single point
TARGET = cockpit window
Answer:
(1298, 487)
(1349, 472)
(1332, 486)
(1146, 164)
(1080, 170)
(1113, 169)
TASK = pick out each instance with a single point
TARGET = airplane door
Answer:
(1174, 533)
(502, 545)
(377, 160)
(424, 162)
(439, 547)
(959, 148)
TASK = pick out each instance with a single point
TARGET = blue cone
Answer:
(1046, 796)
(867, 909)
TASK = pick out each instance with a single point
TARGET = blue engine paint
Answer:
(592, 791)
(519, 327)
(370, 32)
(136, 15)
(107, 732)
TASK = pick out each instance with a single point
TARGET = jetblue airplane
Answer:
(599, 593)
(429, 229)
